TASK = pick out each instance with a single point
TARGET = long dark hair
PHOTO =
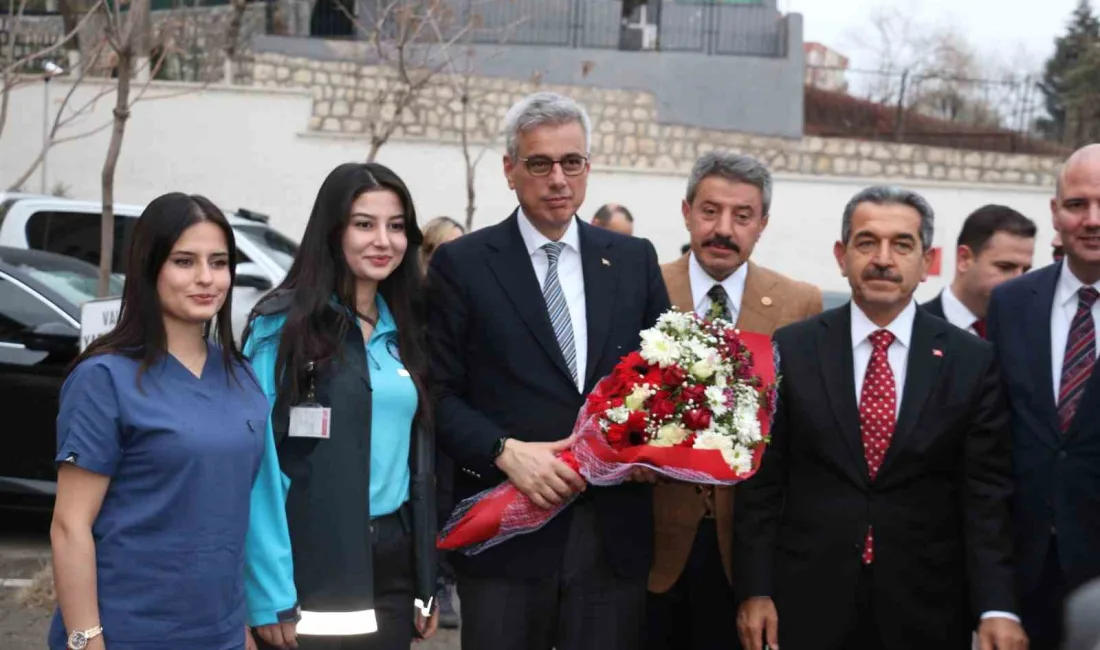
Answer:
(314, 331)
(140, 333)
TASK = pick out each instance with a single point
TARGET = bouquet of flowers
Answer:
(694, 404)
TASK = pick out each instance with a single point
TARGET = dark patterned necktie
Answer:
(719, 304)
(1080, 357)
(877, 414)
(979, 327)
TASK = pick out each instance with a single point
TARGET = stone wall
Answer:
(627, 132)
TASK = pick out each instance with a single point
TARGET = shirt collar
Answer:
(955, 311)
(386, 322)
(1068, 286)
(535, 240)
(901, 327)
(701, 283)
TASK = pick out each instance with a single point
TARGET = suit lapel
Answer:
(925, 360)
(759, 311)
(1037, 332)
(838, 375)
(600, 277)
(510, 263)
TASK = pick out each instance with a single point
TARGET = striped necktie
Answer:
(558, 309)
(1080, 357)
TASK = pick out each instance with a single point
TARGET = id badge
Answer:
(309, 419)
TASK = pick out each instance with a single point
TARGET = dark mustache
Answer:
(719, 240)
(880, 273)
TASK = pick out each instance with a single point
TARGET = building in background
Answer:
(826, 69)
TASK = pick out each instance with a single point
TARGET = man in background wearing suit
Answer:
(881, 506)
(995, 245)
(726, 210)
(1044, 327)
(524, 318)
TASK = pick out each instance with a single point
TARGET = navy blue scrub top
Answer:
(170, 535)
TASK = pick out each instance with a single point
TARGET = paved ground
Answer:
(24, 550)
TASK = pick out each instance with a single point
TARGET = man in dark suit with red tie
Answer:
(879, 516)
(995, 245)
(1044, 328)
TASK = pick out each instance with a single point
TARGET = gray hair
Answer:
(890, 195)
(732, 167)
(541, 109)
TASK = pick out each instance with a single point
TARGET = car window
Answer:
(275, 244)
(76, 234)
(20, 311)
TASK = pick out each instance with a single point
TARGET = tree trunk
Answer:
(375, 146)
(232, 36)
(107, 225)
(470, 193)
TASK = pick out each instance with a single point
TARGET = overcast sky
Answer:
(998, 28)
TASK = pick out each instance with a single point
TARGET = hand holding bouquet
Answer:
(693, 404)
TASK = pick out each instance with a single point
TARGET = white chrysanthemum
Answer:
(659, 348)
(716, 400)
(699, 349)
(674, 321)
(711, 439)
(745, 421)
(739, 458)
(618, 415)
(669, 435)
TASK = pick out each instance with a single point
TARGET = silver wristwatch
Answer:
(78, 640)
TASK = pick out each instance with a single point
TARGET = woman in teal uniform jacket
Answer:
(159, 438)
(341, 542)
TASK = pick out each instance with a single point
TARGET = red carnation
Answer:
(636, 423)
(697, 419)
(617, 436)
(673, 376)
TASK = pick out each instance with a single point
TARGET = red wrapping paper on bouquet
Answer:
(672, 425)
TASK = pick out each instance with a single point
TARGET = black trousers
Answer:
(1041, 607)
(393, 596)
(699, 612)
(583, 606)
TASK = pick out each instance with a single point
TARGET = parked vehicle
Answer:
(40, 298)
(72, 228)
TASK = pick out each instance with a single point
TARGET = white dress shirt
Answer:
(898, 355)
(571, 278)
(1061, 317)
(957, 313)
(701, 282)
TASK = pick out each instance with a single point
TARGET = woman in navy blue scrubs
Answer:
(159, 438)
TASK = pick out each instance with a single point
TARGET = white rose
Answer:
(636, 399)
(721, 381)
(703, 369)
(659, 348)
(669, 435)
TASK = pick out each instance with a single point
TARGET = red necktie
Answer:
(877, 414)
(979, 327)
(1080, 357)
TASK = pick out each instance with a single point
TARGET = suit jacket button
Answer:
(1062, 454)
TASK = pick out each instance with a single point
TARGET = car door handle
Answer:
(12, 346)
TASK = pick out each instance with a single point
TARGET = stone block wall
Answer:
(627, 130)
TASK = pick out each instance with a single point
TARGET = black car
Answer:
(831, 299)
(40, 298)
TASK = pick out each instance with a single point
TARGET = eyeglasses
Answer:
(571, 165)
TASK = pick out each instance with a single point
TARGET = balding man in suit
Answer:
(691, 599)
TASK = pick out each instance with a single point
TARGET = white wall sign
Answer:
(97, 317)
